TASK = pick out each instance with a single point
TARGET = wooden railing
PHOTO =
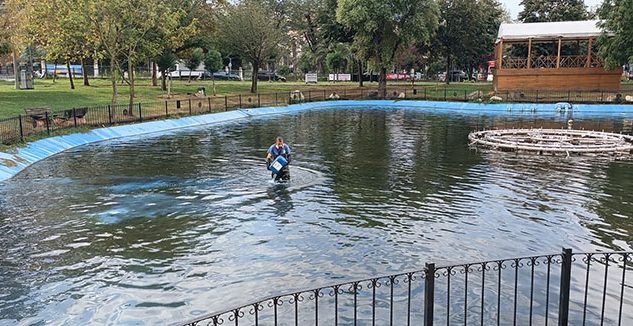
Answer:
(515, 63)
(551, 61)
(573, 61)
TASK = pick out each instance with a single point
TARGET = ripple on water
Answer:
(161, 229)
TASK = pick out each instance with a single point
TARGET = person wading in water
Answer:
(279, 148)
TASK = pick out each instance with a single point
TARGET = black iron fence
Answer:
(43, 122)
(564, 288)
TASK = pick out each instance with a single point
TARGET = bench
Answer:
(38, 115)
(71, 117)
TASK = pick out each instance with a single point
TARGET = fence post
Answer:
(444, 93)
(75, 116)
(425, 98)
(240, 101)
(568, 96)
(48, 127)
(209, 103)
(226, 103)
(601, 96)
(276, 99)
(21, 129)
(309, 96)
(110, 114)
(140, 113)
(258, 101)
(465, 96)
(166, 110)
(190, 113)
(537, 96)
(429, 293)
(324, 95)
(565, 279)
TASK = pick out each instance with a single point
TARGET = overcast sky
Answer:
(514, 7)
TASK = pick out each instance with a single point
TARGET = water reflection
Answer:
(161, 229)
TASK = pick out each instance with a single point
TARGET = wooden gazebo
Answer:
(551, 56)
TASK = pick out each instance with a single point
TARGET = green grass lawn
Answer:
(58, 95)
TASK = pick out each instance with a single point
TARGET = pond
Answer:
(167, 227)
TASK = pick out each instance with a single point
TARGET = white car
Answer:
(185, 74)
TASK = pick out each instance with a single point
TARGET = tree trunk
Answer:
(115, 92)
(382, 82)
(163, 81)
(54, 71)
(84, 72)
(130, 73)
(360, 73)
(171, 85)
(448, 70)
(16, 71)
(254, 77)
(70, 75)
(154, 73)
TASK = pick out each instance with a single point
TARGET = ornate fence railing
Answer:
(564, 288)
(45, 122)
(552, 61)
(515, 63)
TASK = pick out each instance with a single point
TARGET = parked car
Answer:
(455, 76)
(458, 76)
(185, 74)
(221, 75)
(267, 75)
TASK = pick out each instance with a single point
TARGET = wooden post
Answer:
(500, 54)
(589, 52)
(529, 61)
(558, 56)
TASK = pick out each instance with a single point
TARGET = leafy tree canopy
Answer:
(535, 11)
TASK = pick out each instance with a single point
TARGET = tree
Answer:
(338, 58)
(616, 44)
(248, 30)
(535, 11)
(13, 34)
(193, 61)
(65, 37)
(165, 62)
(452, 38)
(212, 63)
(306, 63)
(384, 27)
(135, 30)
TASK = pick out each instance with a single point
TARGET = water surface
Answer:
(164, 228)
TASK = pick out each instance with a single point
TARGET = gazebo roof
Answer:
(553, 30)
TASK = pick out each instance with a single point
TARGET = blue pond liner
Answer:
(13, 163)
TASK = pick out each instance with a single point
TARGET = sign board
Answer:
(311, 78)
(339, 77)
(398, 77)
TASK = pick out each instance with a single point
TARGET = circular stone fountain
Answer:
(553, 141)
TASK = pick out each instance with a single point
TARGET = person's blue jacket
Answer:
(283, 151)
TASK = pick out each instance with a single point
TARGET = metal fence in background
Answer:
(44, 122)
(564, 288)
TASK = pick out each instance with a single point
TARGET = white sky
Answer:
(514, 7)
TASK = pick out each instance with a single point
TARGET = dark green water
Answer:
(158, 230)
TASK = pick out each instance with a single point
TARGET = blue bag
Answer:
(278, 164)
